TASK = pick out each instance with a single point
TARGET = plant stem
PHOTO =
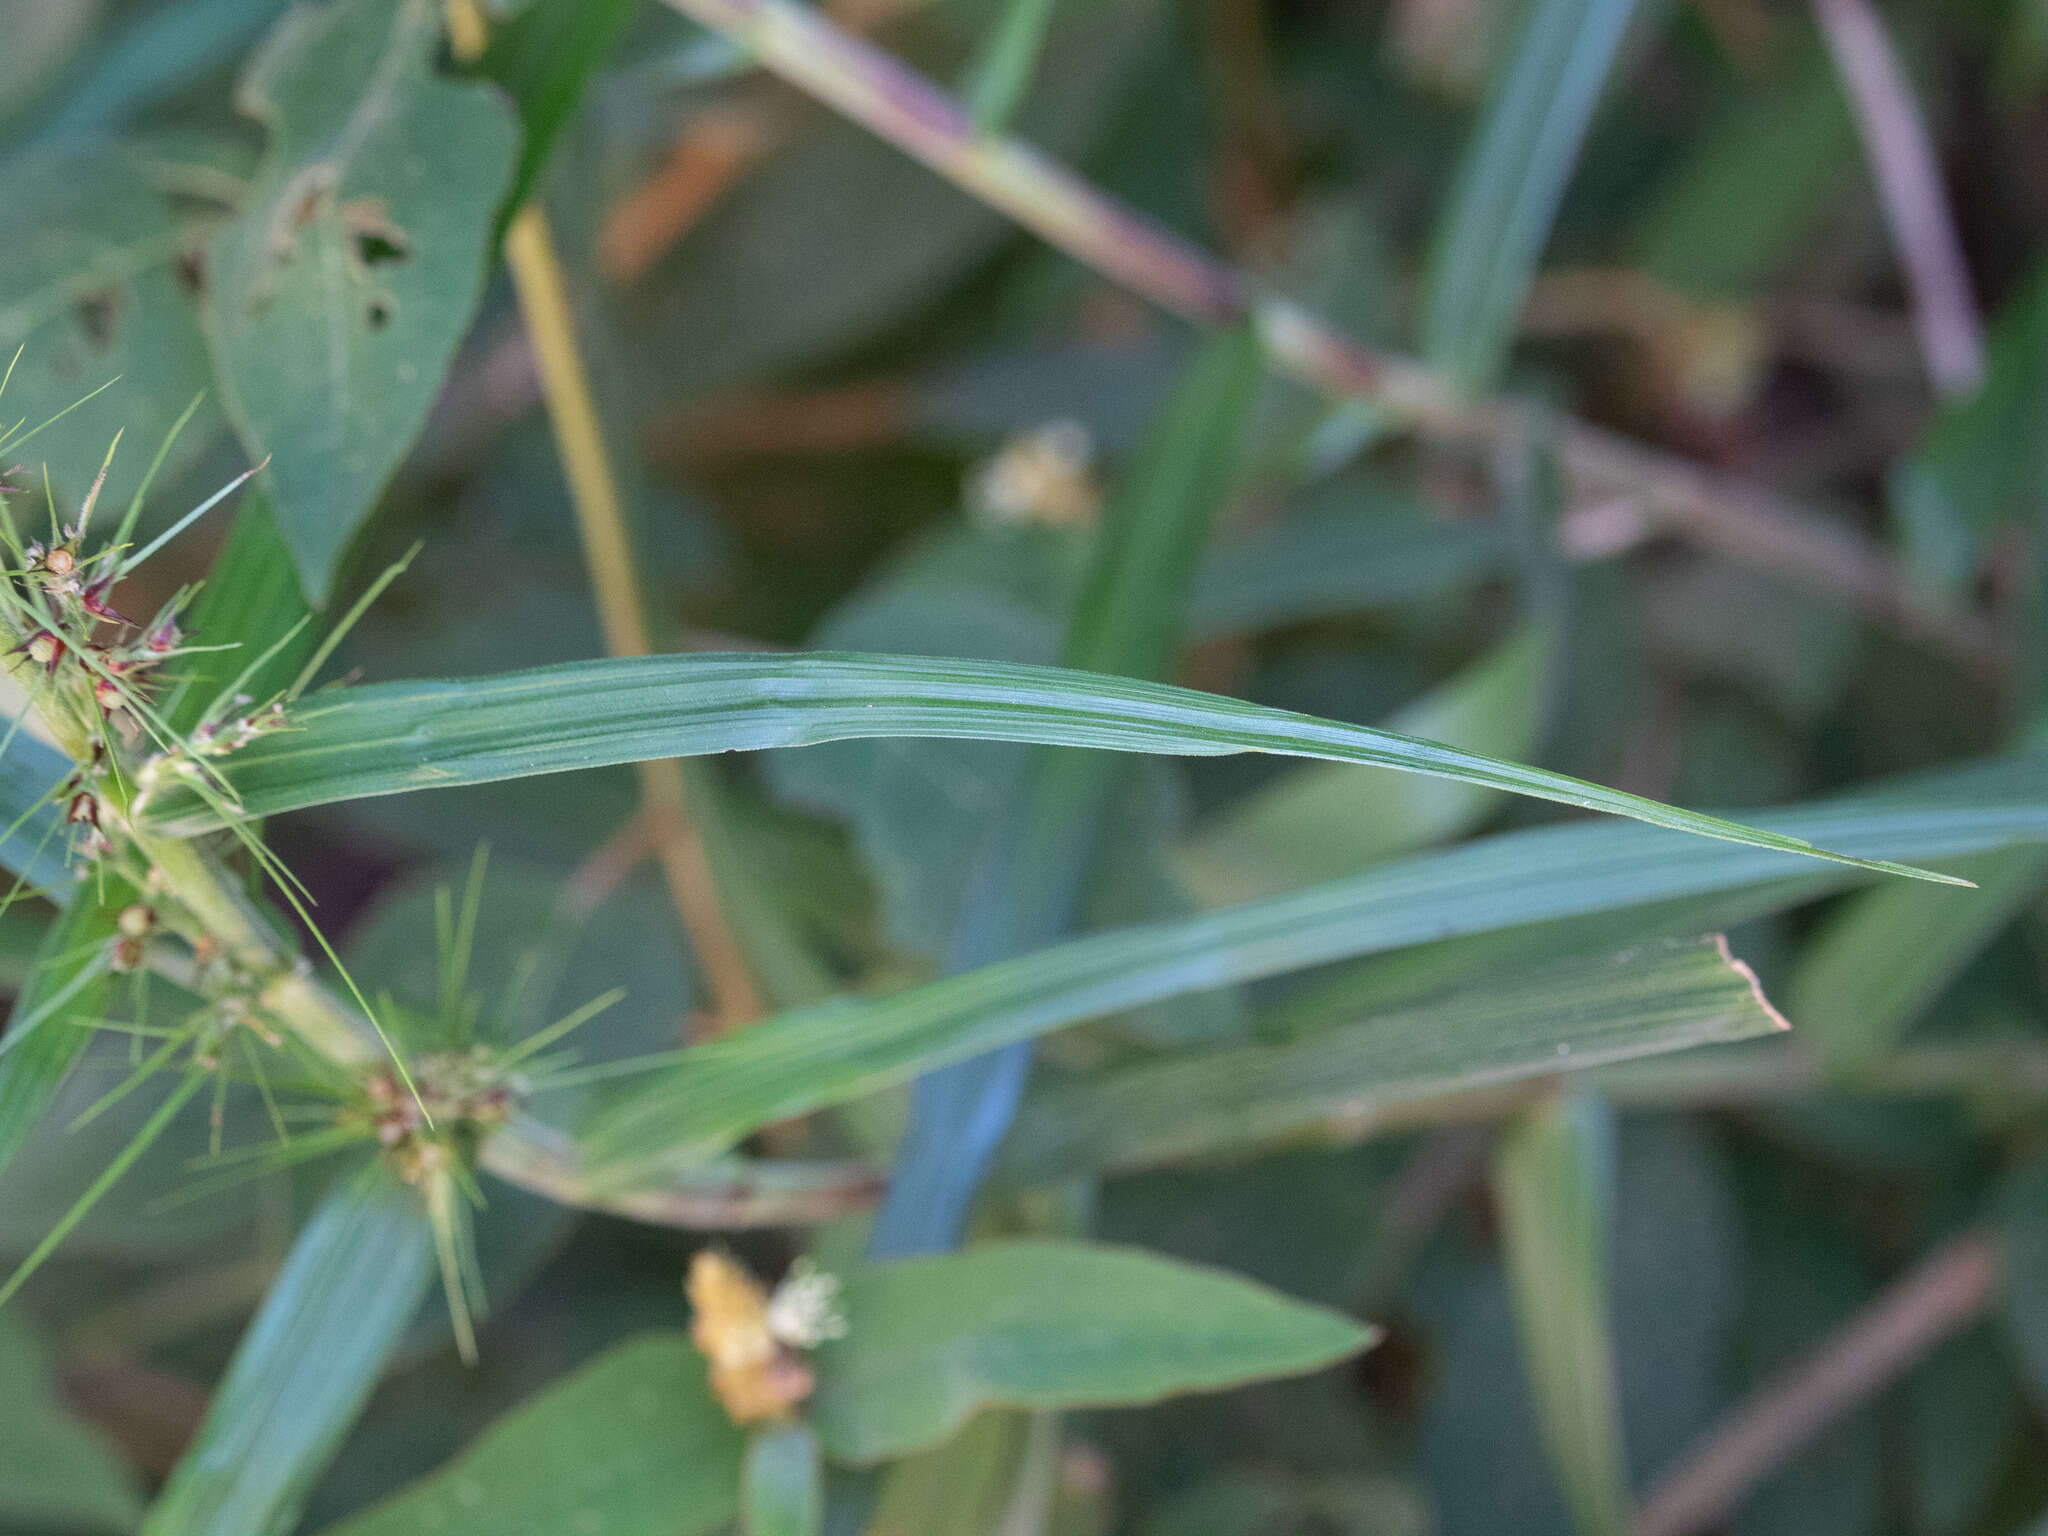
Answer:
(608, 551)
(1943, 1294)
(716, 1198)
(877, 90)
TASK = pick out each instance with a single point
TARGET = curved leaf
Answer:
(392, 737)
(711, 1096)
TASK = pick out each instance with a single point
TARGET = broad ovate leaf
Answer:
(338, 295)
(1041, 1324)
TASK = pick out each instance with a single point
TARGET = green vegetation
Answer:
(926, 767)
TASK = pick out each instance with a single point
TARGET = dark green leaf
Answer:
(931, 1341)
(70, 964)
(632, 1442)
(1352, 551)
(54, 1471)
(337, 297)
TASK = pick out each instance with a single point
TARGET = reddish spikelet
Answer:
(45, 650)
(94, 601)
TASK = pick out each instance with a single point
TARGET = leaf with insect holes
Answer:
(338, 296)
(95, 286)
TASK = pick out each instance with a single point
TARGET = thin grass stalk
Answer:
(608, 553)
(875, 89)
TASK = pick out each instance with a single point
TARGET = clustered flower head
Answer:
(1041, 476)
(755, 1342)
(454, 1097)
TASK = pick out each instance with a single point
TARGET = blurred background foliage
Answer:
(825, 373)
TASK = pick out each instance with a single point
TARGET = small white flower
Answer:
(804, 1311)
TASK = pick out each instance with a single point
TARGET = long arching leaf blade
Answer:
(393, 737)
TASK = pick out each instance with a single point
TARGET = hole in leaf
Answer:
(378, 314)
(190, 270)
(96, 314)
(373, 238)
(373, 248)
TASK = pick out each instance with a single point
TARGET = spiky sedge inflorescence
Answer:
(92, 678)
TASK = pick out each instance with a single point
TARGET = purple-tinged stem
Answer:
(1747, 524)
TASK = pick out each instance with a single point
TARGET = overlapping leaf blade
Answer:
(392, 737)
(683, 1114)
(1569, 1016)
(1037, 852)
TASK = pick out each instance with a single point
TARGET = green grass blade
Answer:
(1038, 852)
(1879, 961)
(1002, 74)
(315, 1348)
(32, 1071)
(252, 597)
(1554, 1185)
(798, 1062)
(1579, 1013)
(1511, 181)
(394, 737)
(109, 1176)
(1331, 820)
